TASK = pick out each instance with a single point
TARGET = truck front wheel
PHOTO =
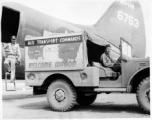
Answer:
(82, 99)
(143, 94)
(61, 95)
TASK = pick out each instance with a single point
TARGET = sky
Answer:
(85, 12)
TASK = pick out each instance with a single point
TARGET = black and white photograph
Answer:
(75, 59)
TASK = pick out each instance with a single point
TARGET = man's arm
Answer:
(7, 49)
(19, 52)
(4, 50)
(104, 61)
(113, 61)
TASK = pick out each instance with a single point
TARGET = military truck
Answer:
(67, 67)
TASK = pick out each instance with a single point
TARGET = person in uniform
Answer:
(12, 56)
(107, 61)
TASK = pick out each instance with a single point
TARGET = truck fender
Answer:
(49, 79)
(133, 82)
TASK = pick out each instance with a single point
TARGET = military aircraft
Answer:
(123, 19)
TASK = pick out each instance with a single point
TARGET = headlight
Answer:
(31, 76)
(83, 76)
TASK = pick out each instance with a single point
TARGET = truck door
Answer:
(127, 67)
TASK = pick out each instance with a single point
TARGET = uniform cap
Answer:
(13, 37)
(108, 45)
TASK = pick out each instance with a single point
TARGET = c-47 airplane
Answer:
(123, 19)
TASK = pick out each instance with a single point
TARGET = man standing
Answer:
(107, 61)
(12, 56)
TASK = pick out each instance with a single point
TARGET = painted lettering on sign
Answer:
(65, 64)
(30, 42)
(46, 41)
(58, 40)
(40, 65)
(77, 38)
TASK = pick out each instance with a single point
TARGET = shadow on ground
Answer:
(20, 96)
(110, 108)
(96, 107)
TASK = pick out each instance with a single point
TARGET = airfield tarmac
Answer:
(22, 104)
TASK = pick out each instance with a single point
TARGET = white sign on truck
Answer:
(54, 53)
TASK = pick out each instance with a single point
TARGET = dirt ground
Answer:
(21, 104)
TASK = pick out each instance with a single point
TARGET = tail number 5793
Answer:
(128, 18)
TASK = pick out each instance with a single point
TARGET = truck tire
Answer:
(143, 94)
(61, 95)
(38, 91)
(82, 99)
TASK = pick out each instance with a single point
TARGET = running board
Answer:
(110, 90)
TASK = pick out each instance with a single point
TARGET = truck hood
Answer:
(140, 59)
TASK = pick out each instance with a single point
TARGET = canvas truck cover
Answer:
(58, 51)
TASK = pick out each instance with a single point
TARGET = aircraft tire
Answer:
(82, 99)
(61, 95)
(143, 94)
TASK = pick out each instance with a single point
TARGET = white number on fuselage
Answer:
(128, 4)
(128, 18)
